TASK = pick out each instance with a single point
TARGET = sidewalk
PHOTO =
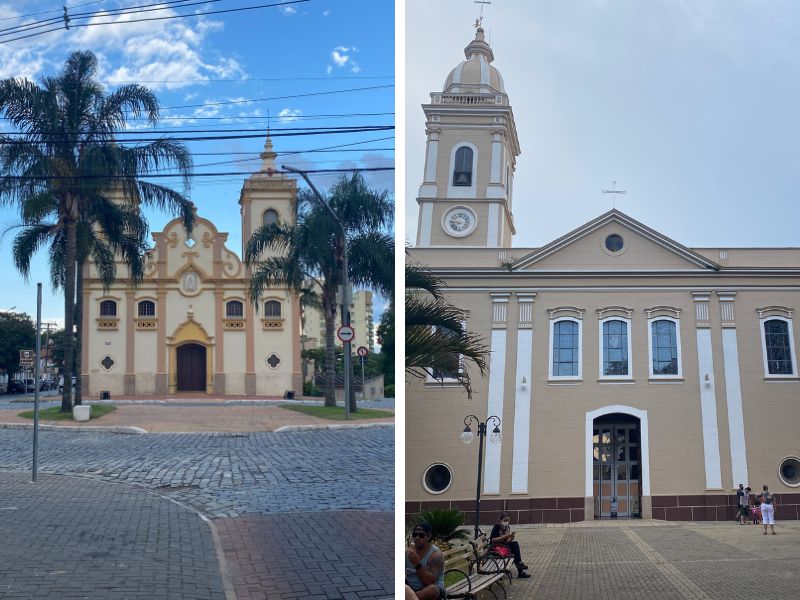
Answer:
(193, 414)
(658, 560)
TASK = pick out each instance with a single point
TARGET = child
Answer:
(756, 515)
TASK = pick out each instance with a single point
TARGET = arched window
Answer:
(566, 349)
(664, 347)
(234, 309)
(270, 216)
(778, 347)
(147, 308)
(462, 171)
(272, 308)
(108, 308)
(615, 348)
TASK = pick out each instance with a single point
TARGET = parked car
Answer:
(61, 383)
(15, 386)
(30, 384)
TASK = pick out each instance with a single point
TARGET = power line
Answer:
(210, 138)
(47, 12)
(178, 16)
(171, 175)
(347, 128)
(286, 118)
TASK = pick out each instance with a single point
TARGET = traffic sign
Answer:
(26, 358)
(346, 333)
(362, 351)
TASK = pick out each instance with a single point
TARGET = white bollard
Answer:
(81, 412)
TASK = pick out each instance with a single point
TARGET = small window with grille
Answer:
(147, 308)
(272, 309)
(234, 309)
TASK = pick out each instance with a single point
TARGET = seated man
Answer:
(424, 565)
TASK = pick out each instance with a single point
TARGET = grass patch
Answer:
(54, 413)
(336, 413)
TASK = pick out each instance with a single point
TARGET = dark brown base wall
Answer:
(522, 510)
(717, 507)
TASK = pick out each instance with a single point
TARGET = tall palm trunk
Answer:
(329, 310)
(78, 333)
(69, 310)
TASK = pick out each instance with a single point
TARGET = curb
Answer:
(88, 428)
(288, 428)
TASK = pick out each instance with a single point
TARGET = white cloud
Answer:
(288, 10)
(329, 69)
(342, 56)
(289, 114)
(325, 13)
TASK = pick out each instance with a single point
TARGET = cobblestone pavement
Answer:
(313, 556)
(675, 561)
(65, 537)
(245, 482)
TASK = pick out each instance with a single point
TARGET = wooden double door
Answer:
(191, 368)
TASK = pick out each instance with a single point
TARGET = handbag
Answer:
(500, 550)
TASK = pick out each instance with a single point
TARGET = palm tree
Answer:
(67, 153)
(437, 342)
(106, 232)
(311, 250)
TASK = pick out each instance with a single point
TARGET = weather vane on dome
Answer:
(479, 20)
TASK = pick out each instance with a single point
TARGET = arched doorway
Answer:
(617, 463)
(191, 368)
(616, 467)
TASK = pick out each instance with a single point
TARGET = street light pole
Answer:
(467, 436)
(346, 300)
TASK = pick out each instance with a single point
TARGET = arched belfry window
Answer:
(270, 216)
(462, 171)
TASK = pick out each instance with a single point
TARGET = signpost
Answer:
(26, 360)
(362, 352)
(346, 333)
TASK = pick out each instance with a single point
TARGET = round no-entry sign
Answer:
(346, 333)
(362, 351)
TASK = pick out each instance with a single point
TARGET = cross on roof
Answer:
(614, 191)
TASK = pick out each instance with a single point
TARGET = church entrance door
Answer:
(191, 365)
(616, 468)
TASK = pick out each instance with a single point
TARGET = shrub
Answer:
(446, 525)
(388, 391)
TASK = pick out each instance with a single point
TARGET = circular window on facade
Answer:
(614, 243)
(789, 471)
(437, 478)
(273, 360)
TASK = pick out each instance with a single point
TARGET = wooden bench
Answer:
(470, 569)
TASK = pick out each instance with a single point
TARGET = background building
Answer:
(632, 375)
(361, 318)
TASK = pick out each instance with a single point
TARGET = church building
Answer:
(629, 376)
(189, 326)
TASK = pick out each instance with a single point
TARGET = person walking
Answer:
(767, 510)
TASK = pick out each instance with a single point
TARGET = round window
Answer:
(614, 243)
(789, 471)
(437, 478)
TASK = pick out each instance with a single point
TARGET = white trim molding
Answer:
(644, 443)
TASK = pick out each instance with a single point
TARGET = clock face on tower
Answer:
(459, 221)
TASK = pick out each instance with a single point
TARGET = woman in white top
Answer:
(767, 510)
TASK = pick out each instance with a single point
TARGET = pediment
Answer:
(643, 249)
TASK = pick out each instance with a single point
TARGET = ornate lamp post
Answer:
(467, 436)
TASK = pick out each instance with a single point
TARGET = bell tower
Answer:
(267, 196)
(465, 198)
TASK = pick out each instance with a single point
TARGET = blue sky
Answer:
(692, 106)
(301, 48)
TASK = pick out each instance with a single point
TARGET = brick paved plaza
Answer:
(656, 560)
(281, 505)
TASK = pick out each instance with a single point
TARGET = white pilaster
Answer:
(497, 370)
(708, 410)
(426, 218)
(522, 411)
(497, 158)
(431, 156)
(492, 225)
(733, 389)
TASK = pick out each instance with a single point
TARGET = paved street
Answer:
(659, 561)
(310, 483)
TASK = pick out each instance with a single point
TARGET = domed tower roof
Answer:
(475, 74)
